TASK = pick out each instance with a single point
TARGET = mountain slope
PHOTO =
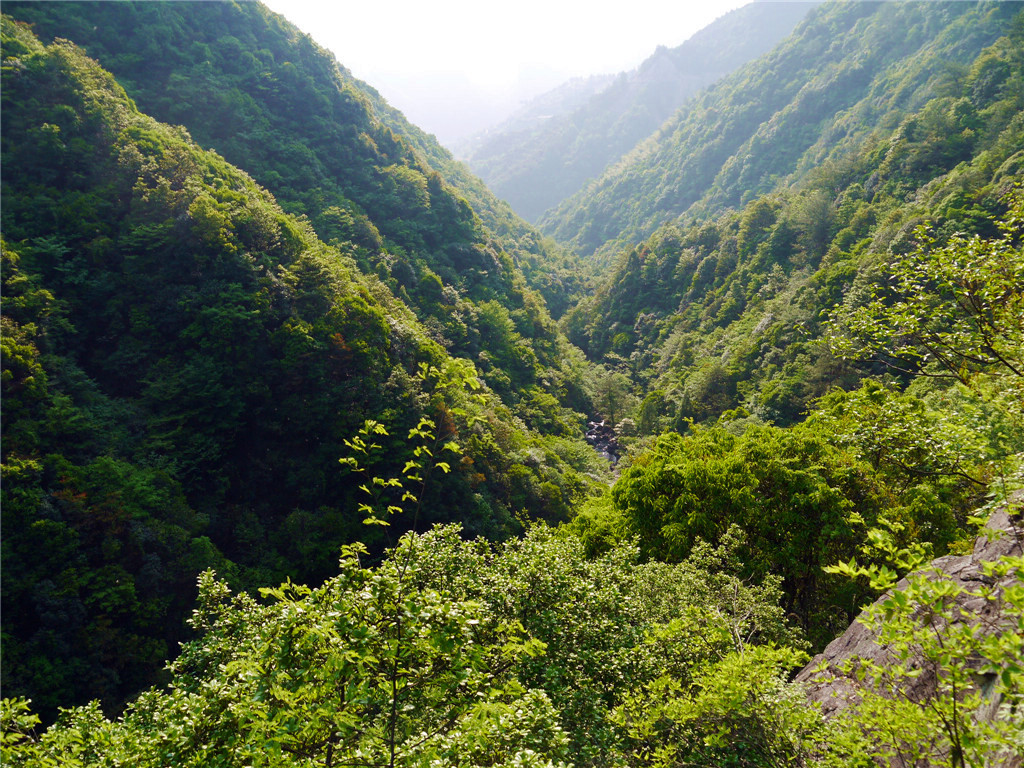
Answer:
(546, 266)
(817, 95)
(558, 102)
(728, 313)
(536, 167)
(249, 84)
(183, 365)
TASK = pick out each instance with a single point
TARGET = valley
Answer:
(316, 451)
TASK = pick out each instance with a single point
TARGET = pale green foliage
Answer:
(707, 586)
(885, 560)
(586, 614)
(739, 711)
(82, 737)
(899, 432)
(598, 524)
(613, 627)
(951, 311)
(367, 669)
(389, 495)
(17, 724)
(719, 692)
(963, 663)
(527, 730)
(611, 391)
(449, 653)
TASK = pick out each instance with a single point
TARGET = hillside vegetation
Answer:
(849, 70)
(729, 313)
(252, 86)
(186, 361)
(537, 166)
(315, 361)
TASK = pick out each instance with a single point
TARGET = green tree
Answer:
(724, 647)
(948, 689)
(953, 310)
(612, 395)
(801, 501)
(739, 711)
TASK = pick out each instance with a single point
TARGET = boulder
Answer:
(826, 679)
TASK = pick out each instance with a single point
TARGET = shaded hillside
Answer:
(847, 70)
(536, 167)
(547, 267)
(183, 365)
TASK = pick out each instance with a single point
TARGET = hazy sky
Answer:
(493, 42)
(453, 64)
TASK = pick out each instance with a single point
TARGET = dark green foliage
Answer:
(98, 551)
(801, 501)
(182, 364)
(324, 143)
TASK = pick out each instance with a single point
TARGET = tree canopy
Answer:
(253, 319)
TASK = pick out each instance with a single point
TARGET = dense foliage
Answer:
(456, 653)
(449, 653)
(870, 468)
(327, 146)
(730, 312)
(204, 380)
(538, 165)
(182, 363)
(849, 71)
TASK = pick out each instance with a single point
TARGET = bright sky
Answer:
(491, 42)
(501, 51)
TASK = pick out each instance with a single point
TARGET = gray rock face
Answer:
(824, 679)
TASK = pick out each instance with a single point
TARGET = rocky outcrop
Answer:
(827, 679)
(602, 437)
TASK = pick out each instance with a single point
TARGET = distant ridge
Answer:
(827, 87)
(535, 164)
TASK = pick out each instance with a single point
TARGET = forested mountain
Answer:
(548, 267)
(537, 166)
(848, 70)
(559, 101)
(187, 359)
(741, 330)
(229, 373)
(729, 312)
(325, 144)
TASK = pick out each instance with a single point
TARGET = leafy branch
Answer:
(948, 311)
